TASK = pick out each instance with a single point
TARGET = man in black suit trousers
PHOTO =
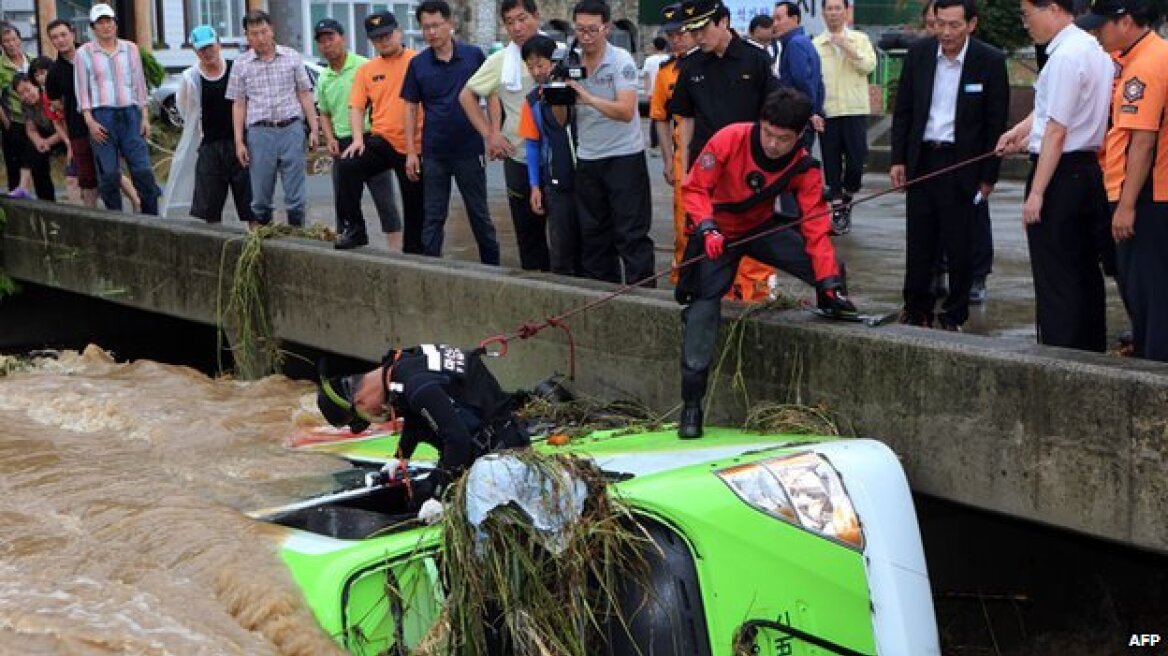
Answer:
(951, 106)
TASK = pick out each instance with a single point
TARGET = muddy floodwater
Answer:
(121, 531)
(121, 487)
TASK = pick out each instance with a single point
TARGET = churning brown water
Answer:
(120, 526)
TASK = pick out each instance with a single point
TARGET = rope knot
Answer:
(529, 329)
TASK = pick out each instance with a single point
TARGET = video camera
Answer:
(566, 65)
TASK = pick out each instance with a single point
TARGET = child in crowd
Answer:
(548, 123)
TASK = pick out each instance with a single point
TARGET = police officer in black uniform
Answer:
(726, 82)
(445, 397)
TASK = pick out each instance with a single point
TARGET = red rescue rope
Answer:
(532, 328)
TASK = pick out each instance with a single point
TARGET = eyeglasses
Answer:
(588, 30)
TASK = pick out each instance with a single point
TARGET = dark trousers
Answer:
(530, 228)
(613, 205)
(353, 172)
(469, 173)
(12, 141)
(1065, 254)
(380, 190)
(36, 162)
(784, 250)
(983, 245)
(563, 225)
(940, 214)
(1142, 272)
(845, 147)
(218, 171)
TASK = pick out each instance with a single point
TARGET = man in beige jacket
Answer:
(847, 58)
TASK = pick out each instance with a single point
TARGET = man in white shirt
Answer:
(1065, 213)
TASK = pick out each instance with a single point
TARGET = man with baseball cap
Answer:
(1135, 164)
(207, 127)
(377, 86)
(111, 95)
(332, 100)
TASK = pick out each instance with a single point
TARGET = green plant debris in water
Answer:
(541, 603)
(256, 349)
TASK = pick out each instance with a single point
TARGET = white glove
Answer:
(431, 511)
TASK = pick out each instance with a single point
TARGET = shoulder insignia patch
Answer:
(707, 161)
(1133, 90)
(629, 72)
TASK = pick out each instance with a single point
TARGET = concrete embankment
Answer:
(1074, 440)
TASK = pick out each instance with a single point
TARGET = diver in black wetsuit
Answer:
(445, 397)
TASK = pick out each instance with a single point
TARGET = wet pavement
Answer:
(874, 250)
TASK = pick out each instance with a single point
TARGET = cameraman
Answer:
(612, 178)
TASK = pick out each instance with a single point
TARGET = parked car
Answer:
(163, 107)
(802, 544)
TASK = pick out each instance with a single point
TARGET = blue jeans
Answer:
(123, 126)
(272, 150)
(469, 172)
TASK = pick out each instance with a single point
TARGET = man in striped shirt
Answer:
(111, 95)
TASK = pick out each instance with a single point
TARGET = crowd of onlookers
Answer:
(564, 121)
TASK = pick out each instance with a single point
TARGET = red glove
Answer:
(714, 240)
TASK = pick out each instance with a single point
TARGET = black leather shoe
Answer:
(350, 240)
(690, 425)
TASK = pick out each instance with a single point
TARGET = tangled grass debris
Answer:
(581, 416)
(792, 419)
(255, 348)
(506, 589)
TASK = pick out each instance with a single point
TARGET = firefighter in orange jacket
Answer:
(730, 193)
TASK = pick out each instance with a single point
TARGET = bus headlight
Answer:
(802, 489)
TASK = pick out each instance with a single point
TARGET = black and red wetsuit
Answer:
(731, 170)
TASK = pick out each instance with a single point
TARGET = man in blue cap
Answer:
(209, 128)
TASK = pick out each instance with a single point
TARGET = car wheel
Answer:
(169, 113)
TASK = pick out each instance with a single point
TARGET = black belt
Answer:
(274, 124)
(1071, 155)
(938, 145)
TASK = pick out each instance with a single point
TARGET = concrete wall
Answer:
(1073, 440)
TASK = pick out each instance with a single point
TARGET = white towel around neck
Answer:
(512, 68)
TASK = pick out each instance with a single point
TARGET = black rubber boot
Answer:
(690, 425)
